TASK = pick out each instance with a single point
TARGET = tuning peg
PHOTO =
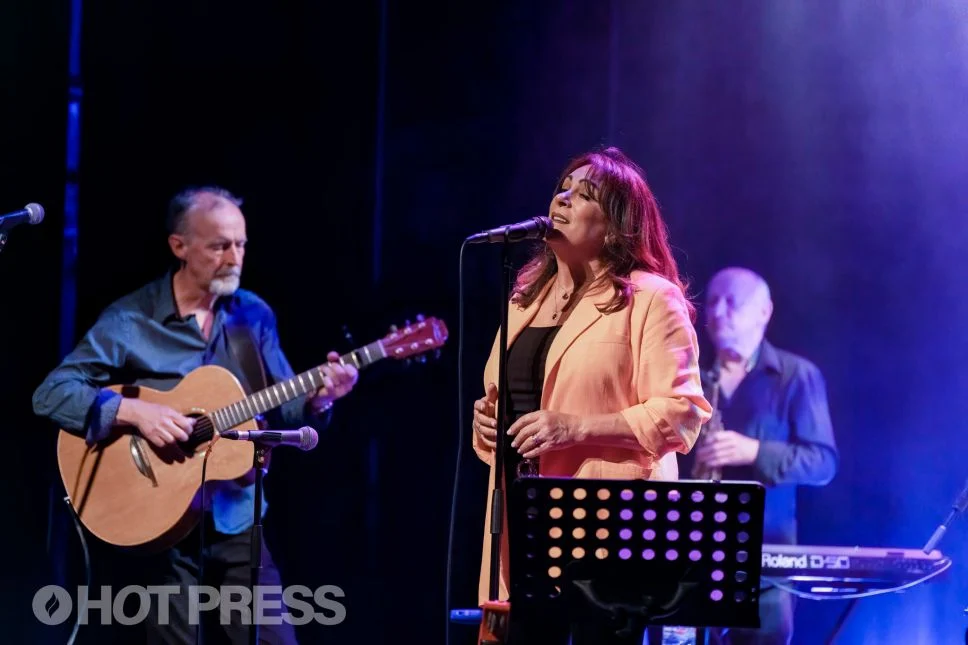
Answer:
(393, 329)
(407, 324)
(437, 353)
(420, 318)
(422, 359)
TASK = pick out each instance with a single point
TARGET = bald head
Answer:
(191, 201)
(741, 283)
(738, 309)
(208, 237)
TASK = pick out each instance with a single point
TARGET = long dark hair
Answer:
(636, 239)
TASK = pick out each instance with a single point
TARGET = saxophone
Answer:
(714, 425)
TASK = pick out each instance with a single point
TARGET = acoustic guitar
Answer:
(132, 494)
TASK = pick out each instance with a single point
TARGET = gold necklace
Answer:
(554, 316)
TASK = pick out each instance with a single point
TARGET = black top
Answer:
(526, 369)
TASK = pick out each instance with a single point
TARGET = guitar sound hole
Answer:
(201, 433)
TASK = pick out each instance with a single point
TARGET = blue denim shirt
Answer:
(141, 340)
(782, 402)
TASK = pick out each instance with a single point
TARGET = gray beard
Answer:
(225, 285)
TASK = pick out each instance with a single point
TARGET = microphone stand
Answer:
(255, 555)
(959, 506)
(495, 615)
(498, 493)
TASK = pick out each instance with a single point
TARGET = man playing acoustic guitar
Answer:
(193, 316)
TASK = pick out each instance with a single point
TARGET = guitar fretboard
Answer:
(299, 385)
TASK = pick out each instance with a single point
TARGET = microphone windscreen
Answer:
(308, 438)
(36, 213)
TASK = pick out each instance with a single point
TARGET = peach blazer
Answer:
(642, 361)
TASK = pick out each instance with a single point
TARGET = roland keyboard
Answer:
(837, 570)
(825, 571)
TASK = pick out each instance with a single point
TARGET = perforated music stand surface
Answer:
(636, 552)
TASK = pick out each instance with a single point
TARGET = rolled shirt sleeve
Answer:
(672, 406)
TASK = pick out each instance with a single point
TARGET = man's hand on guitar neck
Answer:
(158, 423)
(338, 381)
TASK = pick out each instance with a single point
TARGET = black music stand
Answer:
(606, 559)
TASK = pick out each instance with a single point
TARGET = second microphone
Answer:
(305, 438)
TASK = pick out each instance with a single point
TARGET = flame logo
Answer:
(52, 605)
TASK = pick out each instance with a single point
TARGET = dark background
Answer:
(821, 144)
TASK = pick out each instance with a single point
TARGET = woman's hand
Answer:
(485, 417)
(543, 431)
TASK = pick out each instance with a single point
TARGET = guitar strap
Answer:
(247, 357)
(245, 352)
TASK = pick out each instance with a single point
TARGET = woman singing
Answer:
(603, 375)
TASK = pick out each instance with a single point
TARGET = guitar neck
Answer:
(299, 385)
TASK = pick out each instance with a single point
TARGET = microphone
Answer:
(305, 438)
(536, 228)
(31, 213)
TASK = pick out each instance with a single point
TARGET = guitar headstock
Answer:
(415, 339)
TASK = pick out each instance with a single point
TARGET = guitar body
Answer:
(129, 493)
